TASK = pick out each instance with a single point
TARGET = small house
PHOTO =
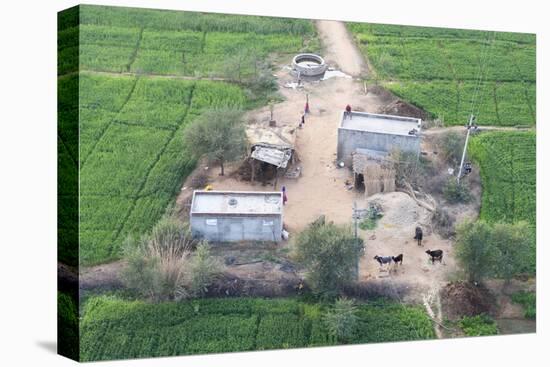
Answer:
(376, 132)
(230, 216)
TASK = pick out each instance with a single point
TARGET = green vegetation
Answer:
(507, 162)
(330, 254)
(500, 250)
(113, 328)
(219, 134)
(67, 326)
(480, 325)
(132, 156)
(437, 69)
(181, 43)
(455, 192)
(529, 302)
(129, 146)
(342, 320)
(162, 265)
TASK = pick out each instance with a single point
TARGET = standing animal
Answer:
(418, 235)
(435, 255)
(398, 259)
(383, 259)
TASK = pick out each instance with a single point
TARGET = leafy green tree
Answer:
(514, 244)
(219, 134)
(475, 249)
(342, 320)
(330, 254)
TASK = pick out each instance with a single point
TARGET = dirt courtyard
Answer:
(321, 188)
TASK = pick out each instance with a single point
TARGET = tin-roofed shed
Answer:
(229, 216)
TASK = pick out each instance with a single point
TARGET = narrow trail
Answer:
(339, 47)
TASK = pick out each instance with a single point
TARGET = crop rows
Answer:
(508, 171)
(181, 43)
(112, 328)
(132, 156)
(438, 70)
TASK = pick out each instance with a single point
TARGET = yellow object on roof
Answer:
(208, 188)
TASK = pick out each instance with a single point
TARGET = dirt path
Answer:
(339, 48)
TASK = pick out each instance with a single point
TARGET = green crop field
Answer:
(507, 163)
(437, 69)
(130, 120)
(179, 43)
(112, 328)
(508, 171)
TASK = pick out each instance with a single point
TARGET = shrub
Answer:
(529, 302)
(342, 320)
(455, 192)
(480, 325)
(475, 250)
(202, 270)
(330, 254)
(443, 222)
(156, 264)
(451, 145)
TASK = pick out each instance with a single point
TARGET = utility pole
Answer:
(472, 119)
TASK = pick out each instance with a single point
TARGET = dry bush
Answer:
(443, 222)
(162, 266)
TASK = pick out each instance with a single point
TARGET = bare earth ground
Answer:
(320, 190)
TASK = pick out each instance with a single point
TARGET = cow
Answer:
(383, 259)
(418, 235)
(435, 255)
(398, 259)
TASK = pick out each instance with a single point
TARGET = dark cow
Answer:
(435, 255)
(398, 259)
(418, 235)
(383, 259)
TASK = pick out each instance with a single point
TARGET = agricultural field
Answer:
(132, 157)
(112, 328)
(130, 117)
(179, 43)
(507, 163)
(438, 70)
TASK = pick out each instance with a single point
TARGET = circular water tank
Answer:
(309, 64)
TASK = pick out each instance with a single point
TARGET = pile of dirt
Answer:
(400, 108)
(460, 299)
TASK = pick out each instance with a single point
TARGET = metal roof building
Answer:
(376, 132)
(228, 216)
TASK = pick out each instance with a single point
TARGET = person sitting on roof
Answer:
(347, 112)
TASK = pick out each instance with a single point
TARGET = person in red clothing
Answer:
(348, 112)
(285, 199)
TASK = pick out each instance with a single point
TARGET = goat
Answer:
(418, 235)
(383, 259)
(435, 255)
(398, 259)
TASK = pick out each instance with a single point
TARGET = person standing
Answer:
(285, 198)
(303, 120)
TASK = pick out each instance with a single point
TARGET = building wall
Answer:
(231, 228)
(349, 140)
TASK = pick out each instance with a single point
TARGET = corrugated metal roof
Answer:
(274, 156)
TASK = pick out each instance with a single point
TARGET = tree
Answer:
(514, 244)
(330, 254)
(475, 249)
(342, 320)
(219, 134)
